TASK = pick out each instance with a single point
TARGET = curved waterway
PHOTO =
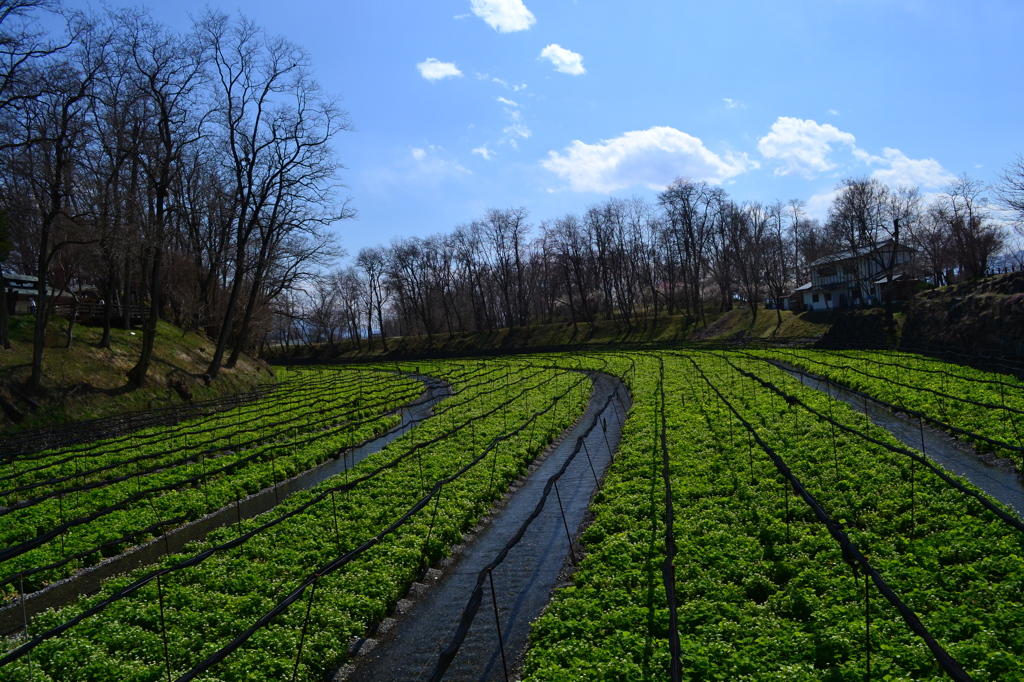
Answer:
(952, 455)
(407, 646)
(91, 579)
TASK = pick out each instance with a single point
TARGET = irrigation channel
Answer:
(91, 579)
(943, 449)
(409, 646)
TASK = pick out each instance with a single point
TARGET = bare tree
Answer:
(274, 126)
(373, 261)
(168, 71)
(1010, 190)
(691, 211)
(964, 208)
(779, 252)
(45, 149)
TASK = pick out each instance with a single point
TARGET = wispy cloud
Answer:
(508, 102)
(516, 128)
(484, 152)
(504, 16)
(499, 81)
(733, 103)
(833, 112)
(434, 70)
(424, 168)
(650, 158)
(564, 61)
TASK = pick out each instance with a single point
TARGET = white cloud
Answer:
(484, 152)
(504, 16)
(833, 112)
(652, 157)
(564, 61)
(433, 161)
(818, 205)
(733, 103)
(513, 88)
(901, 170)
(508, 102)
(803, 146)
(434, 70)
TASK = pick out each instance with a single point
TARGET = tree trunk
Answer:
(5, 336)
(250, 305)
(39, 332)
(229, 314)
(108, 295)
(380, 326)
(137, 374)
(69, 339)
(126, 304)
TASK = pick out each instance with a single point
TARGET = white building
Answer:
(858, 277)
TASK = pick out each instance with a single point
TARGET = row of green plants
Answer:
(297, 405)
(449, 470)
(982, 405)
(763, 590)
(140, 507)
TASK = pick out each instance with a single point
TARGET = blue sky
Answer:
(463, 105)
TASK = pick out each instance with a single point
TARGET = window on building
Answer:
(828, 296)
(814, 298)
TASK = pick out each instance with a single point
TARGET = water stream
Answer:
(90, 580)
(954, 456)
(406, 647)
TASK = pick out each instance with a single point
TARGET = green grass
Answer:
(86, 381)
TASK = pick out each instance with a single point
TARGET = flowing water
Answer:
(958, 458)
(522, 583)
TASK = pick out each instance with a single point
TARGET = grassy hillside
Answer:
(85, 381)
(736, 324)
(984, 315)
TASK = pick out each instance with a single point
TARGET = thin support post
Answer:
(494, 468)
(430, 530)
(568, 535)
(337, 535)
(604, 430)
(305, 624)
(586, 450)
(785, 491)
(24, 620)
(163, 627)
(238, 511)
(867, 623)
(60, 502)
(832, 427)
(497, 623)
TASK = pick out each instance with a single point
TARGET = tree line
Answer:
(189, 173)
(691, 249)
(192, 175)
